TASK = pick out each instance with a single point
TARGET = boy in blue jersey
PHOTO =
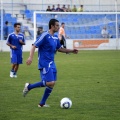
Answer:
(15, 40)
(47, 45)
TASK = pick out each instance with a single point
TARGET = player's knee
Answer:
(15, 64)
(50, 84)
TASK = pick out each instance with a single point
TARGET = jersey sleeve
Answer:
(9, 39)
(40, 40)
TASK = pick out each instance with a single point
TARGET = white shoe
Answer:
(43, 105)
(25, 90)
(11, 74)
(15, 76)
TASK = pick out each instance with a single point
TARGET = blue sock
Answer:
(35, 85)
(14, 73)
(47, 92)
(12, 70)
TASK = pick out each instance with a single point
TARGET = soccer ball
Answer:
(65, 103)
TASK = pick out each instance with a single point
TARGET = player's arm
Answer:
(21, 42)
(12, 46)
(64, 50)
(37, 43)
(29, 60)
(9, 43)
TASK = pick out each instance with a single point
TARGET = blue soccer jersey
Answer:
(16, 54)
(47, 46)
(14, 40)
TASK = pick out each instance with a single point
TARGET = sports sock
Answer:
(35, 85)
(14, 73)
(47, 92)
(12, 70)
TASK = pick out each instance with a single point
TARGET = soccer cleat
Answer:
(25, 90)
(43, 105)
(11, 74)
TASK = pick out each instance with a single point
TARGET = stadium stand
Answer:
(88, 25)
(10, 19)
(78, 26)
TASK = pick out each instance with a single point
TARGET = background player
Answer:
(15, 40)
(47, 45)
(62, 35)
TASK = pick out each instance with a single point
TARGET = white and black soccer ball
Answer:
(65, 103)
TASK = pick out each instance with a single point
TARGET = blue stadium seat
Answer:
(98, 31)
(10, 29)
(29, 15)
(74, 20)
(27, 11)
(14, 20)
(72, 36)
(7, 15)
(68, 32)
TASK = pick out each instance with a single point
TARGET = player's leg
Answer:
(12, 70)
(13, 62)
(64, 41)
(29, 87)
(47, 93)
(50, 79)
(61, 42)
(13, 67)
(15, 70)
(38, 84)
(16, 67)
(19, 60)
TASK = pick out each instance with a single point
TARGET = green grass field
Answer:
(90, 79)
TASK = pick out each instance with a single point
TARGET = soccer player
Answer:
(47, 45)
(15, 40)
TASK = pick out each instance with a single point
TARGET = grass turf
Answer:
(90, 79)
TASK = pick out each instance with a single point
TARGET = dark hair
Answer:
(6, 22)
(40, 27)
(15, 25)
(52, 22)
(62, 23)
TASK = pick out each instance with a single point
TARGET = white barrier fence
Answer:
(93, 44)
